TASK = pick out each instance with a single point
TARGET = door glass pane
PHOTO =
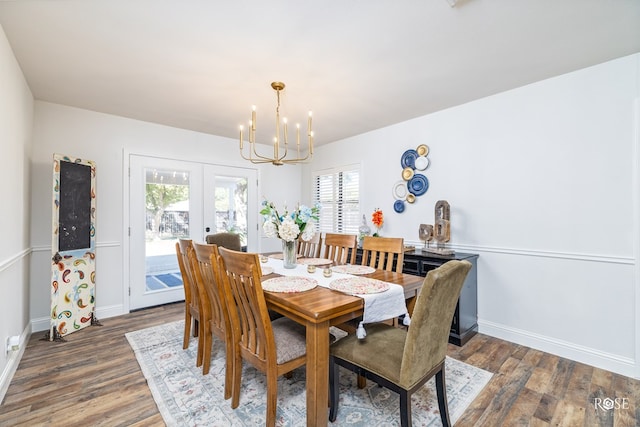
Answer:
(167, 219)
(231, 205)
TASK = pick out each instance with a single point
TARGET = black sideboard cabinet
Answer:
(465, 318)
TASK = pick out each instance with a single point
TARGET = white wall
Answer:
(16, 122)
(108, 140)
(542, 182)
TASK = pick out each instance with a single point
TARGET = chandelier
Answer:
(280, 142)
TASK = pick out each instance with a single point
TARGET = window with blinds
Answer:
(337, 191)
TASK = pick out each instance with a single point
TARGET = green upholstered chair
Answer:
(404, 360)
(226, 240)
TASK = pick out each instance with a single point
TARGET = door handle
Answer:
(207, 229)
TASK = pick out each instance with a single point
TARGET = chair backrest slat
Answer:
(310, 248)
(340, 248)
(383, 253)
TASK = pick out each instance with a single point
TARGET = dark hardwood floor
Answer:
(529, 387)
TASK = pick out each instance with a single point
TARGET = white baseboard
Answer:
(611, 362)
(111, 311)
(42, 323)
(13, 360)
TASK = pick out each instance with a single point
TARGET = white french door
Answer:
(165, 204)
(231, 203)
(171, 199)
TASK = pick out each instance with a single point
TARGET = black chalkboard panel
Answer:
(75, 207)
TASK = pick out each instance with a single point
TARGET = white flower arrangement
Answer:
(289, 226)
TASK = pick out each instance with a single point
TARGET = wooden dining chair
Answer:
(404, 360)
(383, 253)
(340, 248)
(215, 316)
(310, 248)
(273, 347)
(191, 312)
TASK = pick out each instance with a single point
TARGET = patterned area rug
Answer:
(185, 397)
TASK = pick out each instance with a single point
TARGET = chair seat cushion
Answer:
(290, 338)
(381, 351)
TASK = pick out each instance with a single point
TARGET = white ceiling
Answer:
(358, 64)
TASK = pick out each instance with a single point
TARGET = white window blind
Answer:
(337, 191)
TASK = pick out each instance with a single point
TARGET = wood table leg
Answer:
(411, 302)
(317, 373)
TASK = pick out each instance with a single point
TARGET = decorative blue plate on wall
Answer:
(408, 159)
(398, 206)
(418, 185)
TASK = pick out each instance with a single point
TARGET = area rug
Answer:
(185, 397)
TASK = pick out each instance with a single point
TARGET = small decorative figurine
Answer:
(440, 231)
(442, 225)
(425, 232)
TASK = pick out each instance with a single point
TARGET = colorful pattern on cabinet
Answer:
(73, 275)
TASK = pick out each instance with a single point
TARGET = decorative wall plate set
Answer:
(414, 183)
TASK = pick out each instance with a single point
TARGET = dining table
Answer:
(319, 309)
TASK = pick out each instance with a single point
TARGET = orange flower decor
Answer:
(377, 218)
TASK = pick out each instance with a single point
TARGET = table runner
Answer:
(377, 307)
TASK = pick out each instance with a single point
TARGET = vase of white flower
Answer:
(289, 253)
(288, 227)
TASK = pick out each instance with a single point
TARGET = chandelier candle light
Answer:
(277, 159)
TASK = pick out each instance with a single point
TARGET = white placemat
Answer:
(314, 261)
(280, 256)
(289, 284)
(353, 269)
(359, 285)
